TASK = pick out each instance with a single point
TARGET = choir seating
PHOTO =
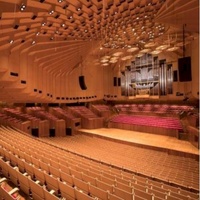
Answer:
(170, 126)
(153, 109)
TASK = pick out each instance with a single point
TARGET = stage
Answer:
(141, 138)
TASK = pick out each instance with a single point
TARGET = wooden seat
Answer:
(37, 191)
(80, 195)
(97, 192)
(39, 175)
(81, 185)
(67, 178)
(4, 167)
(66, 190)
(12, 171)
(9, 193)
(50, 195)
(51, 183)
(23, 182)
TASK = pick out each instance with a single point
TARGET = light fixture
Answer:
(51, 12)
(22, 7)
(132, 49)
(156, 52)
(145, 50)
(162, 47)
(173, 49)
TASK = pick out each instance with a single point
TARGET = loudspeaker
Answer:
(68, 131)
(184, 68)
(115, 81)
(119, 81)
(52, 132)
(35, 132)
(82, 83)
(175, 76)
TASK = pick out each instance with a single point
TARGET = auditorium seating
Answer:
(101, 110)
(79, 177)
(7, 192)
(127, 157)
(152, 124)
(89, 119)
(153, 109)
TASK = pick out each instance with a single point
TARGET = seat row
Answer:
(164, 122)
(156, 108)
(183, 170)
(50, 165)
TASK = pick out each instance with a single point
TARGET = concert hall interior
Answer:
(99, 99)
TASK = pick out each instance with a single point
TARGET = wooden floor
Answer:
(144, 139)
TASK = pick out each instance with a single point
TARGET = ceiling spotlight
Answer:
(11, 41)
(33, 42)
(51, 12)
(23, 7)
(60, 1)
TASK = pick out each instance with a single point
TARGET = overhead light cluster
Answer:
(119, 25)
(22, 7)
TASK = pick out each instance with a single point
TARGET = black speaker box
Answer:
(68, 131)
(119, 81)
(115, 81)
(175, 76)
(35, 132)
(52, 132)
(82, 83)
(184, 68)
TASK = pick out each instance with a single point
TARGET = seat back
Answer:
(66, 191)
(37, 191)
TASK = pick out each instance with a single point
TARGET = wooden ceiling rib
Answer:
(55, 36)
(180, 12)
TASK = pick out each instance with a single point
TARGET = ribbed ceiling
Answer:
(58, 35)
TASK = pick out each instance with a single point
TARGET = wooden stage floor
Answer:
(148, 139)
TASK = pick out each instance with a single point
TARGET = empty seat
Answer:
(9, 193)
(81, 185)
(39, 175)
(52, 183)
(50, 195)
(66, 190)
(123, 194)
(37, 191)
(97, 192)
(12, 171)
(23, 182)
(80, 195)
(67, 178)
